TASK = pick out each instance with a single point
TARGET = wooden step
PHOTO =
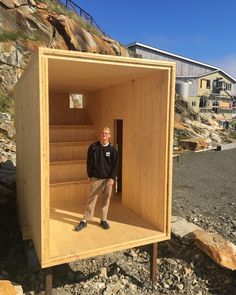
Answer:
(68, 151)
(67, 191)
(63, 171)
(72, 133)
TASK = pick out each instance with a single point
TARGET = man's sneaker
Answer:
(81, 225)
(104, 224)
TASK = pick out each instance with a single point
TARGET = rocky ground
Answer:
(196, 131)
(203, 192)
(7, 135)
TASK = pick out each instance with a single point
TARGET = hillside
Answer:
(195, 131)
(24, 26)
(27, 24)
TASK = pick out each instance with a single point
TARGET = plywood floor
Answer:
(127, 231)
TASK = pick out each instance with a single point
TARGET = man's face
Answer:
(105, 135)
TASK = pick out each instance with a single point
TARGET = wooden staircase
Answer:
(68, 153)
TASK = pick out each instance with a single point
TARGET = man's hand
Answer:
(111, 181)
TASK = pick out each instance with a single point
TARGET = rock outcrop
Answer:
(194, 131)
(26, 25)
(217, 248)
(7, 144)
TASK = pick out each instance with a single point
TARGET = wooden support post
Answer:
(48, 281)
(153, 263)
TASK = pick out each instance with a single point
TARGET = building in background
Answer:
(207, 89)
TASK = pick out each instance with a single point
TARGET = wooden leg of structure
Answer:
(153, 263)
(48, 281)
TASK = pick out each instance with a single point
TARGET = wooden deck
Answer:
(127, 231)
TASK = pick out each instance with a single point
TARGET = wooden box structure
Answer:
(52, 141)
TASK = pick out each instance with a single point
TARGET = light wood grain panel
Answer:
(29, 152)
(61, 113)
(62, 151)
(69, 191)
(44, 157)
(171, 95)
(142, 104)
(127, 230)
(62, 133)
(140, 92)
(67, 171)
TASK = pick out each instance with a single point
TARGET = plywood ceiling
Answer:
(76, 76)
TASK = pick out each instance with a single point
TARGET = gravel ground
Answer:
(203, 192)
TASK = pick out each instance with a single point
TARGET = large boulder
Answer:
(194, 144)
(217, 248)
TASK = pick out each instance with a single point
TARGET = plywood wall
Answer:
(143, 104)
(28, 163)
(61, 113)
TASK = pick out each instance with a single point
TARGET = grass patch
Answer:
(6, 103)
(85, 24)
(232, 134)
(61, 9)
(12, 36)
(54, 6)
(8, 36)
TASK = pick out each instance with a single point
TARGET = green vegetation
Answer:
(12, 36)
(85, 24)
(6, 103)
(54, 6)
(7, 36)
(232, 134)
(61, 9)
(183, 137)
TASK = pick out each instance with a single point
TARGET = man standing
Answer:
(102, 171)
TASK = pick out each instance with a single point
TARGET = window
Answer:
(220, 85)
(208, 84)
(203, 102)
(205, 84)
(215, 107)
(228, 86)
(76, 101)
(193, 103)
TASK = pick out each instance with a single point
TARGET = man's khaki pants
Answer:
(97, 186)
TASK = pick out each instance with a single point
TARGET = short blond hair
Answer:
(107, 129)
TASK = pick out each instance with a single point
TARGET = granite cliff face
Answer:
(27, 24)
(24, 26)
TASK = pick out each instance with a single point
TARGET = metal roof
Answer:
(215, 69)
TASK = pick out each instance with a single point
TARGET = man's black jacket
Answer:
(102, 161)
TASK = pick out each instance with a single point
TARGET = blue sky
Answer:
(204, 30)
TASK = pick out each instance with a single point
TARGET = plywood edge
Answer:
(102, 251)
(34, 58)
(67, 126)
(61, 183)
(70, 143)
(65, 54)
(67, 162)
(44, 155)
(171, 87)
